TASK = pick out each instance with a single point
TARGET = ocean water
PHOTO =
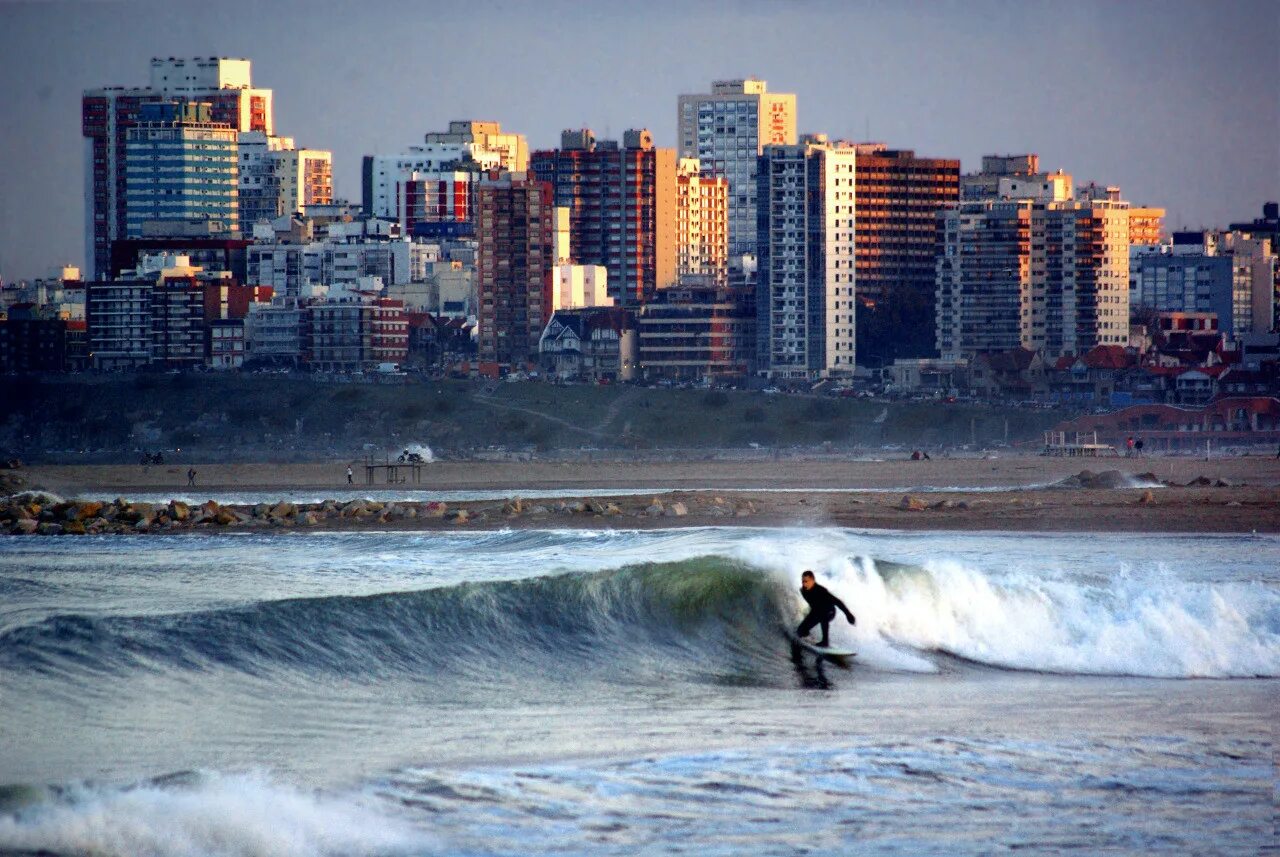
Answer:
(632, 692)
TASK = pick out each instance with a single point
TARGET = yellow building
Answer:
(1146, 226)
(702, 228)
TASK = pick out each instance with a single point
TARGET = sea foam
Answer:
(216, 815)
(1165, 627)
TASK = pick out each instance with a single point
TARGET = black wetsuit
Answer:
(822, 611)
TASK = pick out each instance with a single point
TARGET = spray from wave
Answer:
(1163, 628)
(202, 815)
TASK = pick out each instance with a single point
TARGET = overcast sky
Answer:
(1177, 102)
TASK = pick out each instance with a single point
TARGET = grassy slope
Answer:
(263, 417)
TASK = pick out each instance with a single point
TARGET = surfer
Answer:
(822, 607)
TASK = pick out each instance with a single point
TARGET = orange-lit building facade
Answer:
(898, 197)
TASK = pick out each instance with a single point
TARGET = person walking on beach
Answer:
(348, 474)
(191, 477)
(822, 607)
(1129, 447)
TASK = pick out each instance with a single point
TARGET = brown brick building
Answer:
(622, 207)
(896, 241)
(515, 256)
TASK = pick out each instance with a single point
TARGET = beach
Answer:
(1230, 495)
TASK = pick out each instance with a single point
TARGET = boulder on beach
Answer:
(1106, 480)
(83, 510)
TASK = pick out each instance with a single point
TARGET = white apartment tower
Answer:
(276, 178)
(436, 181)
(1037, 273)
(727, 130)
(805, 287)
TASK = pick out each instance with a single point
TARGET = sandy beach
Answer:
(791, 473)
(1238, 495)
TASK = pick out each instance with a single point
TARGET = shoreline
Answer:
(1000, 494)
(1239, 510)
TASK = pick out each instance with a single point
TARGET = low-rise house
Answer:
(1017, 373)
(928, 375)
(590, 344)
(1093, 376)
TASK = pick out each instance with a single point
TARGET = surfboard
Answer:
(825, 651)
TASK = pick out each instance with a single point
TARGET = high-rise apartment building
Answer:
(180, 168)
(702, 224)
(984, 278)
(1042, 274)
(516, 253)
(118, 319)
(692, 333)
(805, 283)
(727, 129)
(1267, 226)
(1085, 289)
(107, 114)
(899, 197)
(435, 182)
(276, 178)
(1229, 274)
(622, 207)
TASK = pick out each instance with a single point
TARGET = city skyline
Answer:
(1140, 98)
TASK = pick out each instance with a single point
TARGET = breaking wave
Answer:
(694, 619)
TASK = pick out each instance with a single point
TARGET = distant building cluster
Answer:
(747, 251)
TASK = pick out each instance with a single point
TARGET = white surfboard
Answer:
(826, 651)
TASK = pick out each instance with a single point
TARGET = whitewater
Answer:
(624, 692)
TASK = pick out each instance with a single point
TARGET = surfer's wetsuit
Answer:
(822, 611)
